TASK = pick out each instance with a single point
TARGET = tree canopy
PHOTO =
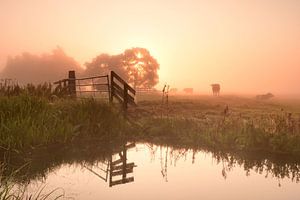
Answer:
(135, 65)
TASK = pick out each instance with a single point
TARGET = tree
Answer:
(135, 65)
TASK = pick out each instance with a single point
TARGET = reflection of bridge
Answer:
(116, 170)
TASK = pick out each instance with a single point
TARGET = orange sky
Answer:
(249, 46)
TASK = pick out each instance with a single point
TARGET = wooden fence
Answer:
(121, 91)
(116, 88)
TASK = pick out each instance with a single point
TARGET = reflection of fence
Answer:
(120, 167)
(115, 171)
(96, 86)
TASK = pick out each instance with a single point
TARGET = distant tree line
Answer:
(135, 65)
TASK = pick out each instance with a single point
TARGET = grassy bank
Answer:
(247, 125)
(30, 121)
(31, 118)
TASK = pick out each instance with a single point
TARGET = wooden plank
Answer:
(105, 179)
(119, 93)
(131, 89)
(116, 86)
(113, 74)
(117, 162)
(90, 84)
(60, 81)
(117, 96)
(130, 99)
(122, 181)
(118, 89)
(121, 172)
(129, 146)
(82, 91)
(122, 82)
(119, 167)
(91, 77)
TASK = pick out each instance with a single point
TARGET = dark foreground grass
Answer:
(10, 190)
(29, 121)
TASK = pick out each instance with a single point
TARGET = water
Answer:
(156, 172)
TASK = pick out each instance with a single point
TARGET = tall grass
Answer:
(9, 190)
(276, 133)
(27, 121)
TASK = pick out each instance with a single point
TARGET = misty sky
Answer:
(249, 46)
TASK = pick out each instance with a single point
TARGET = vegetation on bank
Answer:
(31, 117)
(273, 135)
(10, 190)
(31, 121)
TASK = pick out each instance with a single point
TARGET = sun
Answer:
(139, 55)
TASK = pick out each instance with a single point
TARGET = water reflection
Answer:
(271, 166)
(116, 169)
(109, 162)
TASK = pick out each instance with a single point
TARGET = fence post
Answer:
(72, 83)
(125, 97)
(111, 94)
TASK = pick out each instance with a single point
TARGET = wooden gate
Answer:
(96, 86)
(121, 91)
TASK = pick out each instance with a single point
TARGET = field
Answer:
(30, 118)
(229, 122)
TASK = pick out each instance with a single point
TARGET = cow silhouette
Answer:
(264, 96)
(188, 90)
(215, 89)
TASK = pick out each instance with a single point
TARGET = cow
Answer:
(188, 90)
(215, 89)
(264, 96)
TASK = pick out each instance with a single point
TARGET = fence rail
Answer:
(115, 88)
(121, 91)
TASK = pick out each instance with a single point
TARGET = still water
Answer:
(145, 171)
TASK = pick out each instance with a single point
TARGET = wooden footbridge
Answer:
(108, 87)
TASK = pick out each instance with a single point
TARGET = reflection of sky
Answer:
(201, 180)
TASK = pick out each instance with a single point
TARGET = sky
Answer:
(248, 46)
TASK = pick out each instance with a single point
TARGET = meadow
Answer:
(30, 117)
(223, 123)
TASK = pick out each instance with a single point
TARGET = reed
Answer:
(28, 121)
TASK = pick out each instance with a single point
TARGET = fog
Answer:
(248, 47)
(47, 67)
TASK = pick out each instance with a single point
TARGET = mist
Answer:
(31, 68)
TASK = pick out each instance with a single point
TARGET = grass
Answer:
(30, 121)
(248, 125)
(30, 117)
(9, 190)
